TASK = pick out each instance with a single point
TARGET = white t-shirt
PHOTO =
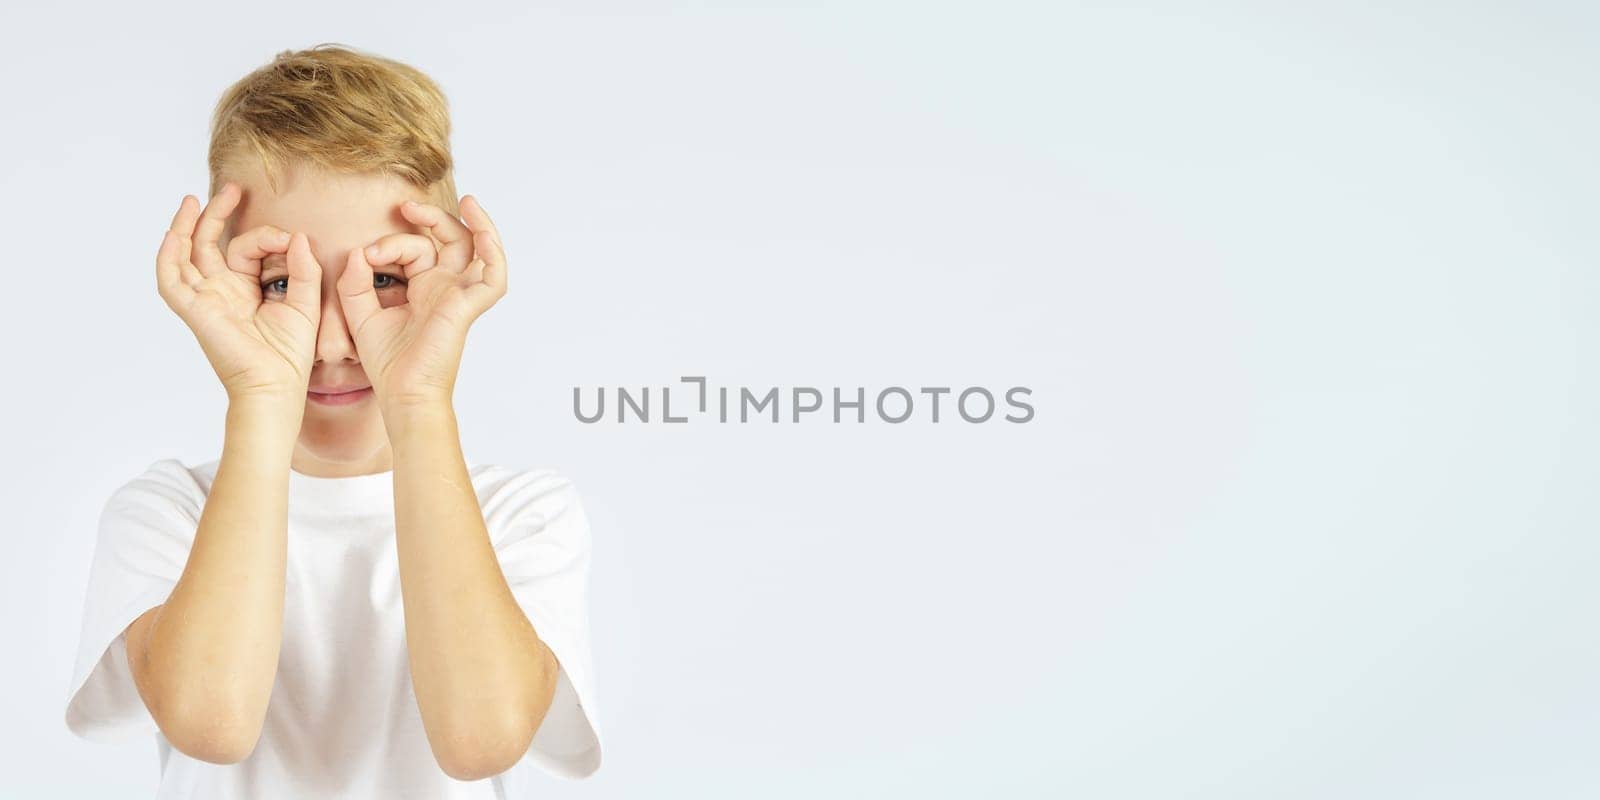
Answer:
(342, 720)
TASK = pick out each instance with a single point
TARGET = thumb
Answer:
(356, 295)
(305, 279)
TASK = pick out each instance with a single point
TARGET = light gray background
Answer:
(1305, 295)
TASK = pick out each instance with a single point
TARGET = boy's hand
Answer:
(257, 349)
(411, 352)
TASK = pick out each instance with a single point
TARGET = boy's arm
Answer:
(205, 660)
(482, 676)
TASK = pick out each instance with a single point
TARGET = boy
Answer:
(338, 606)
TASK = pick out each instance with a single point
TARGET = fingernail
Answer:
(372, 251)
(411, 204)
(282, 237)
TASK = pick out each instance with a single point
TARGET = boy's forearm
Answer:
(482, 677)
(212, 649)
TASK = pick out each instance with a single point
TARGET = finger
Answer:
(476, 218)
(474, 273)
(246, 250)
(492, 284)
(356, 295)
(169, 277)
(412, 252)
(305, 278)
(207, 255)
(183, 228)
(183, 221)
(455, 239)
(486, 240)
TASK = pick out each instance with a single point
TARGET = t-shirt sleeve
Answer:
(541, 536)
(143, 540)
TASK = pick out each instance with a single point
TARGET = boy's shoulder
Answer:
(494, 477)
(499, 484)
(170, 480)
(517, 498)
(501, 476)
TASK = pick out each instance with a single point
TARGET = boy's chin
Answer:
(348, 440)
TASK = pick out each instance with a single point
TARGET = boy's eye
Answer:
(275, 288)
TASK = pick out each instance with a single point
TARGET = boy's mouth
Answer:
(338, 395)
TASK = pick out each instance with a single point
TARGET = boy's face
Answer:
(337, 213)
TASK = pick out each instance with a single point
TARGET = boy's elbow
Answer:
(201, 725)
(208, 735)
(480, 755)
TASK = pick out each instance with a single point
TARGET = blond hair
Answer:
(339, 109)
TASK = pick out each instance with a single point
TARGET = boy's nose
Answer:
(333, 335)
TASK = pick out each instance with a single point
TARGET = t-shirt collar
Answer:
(349, 493)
